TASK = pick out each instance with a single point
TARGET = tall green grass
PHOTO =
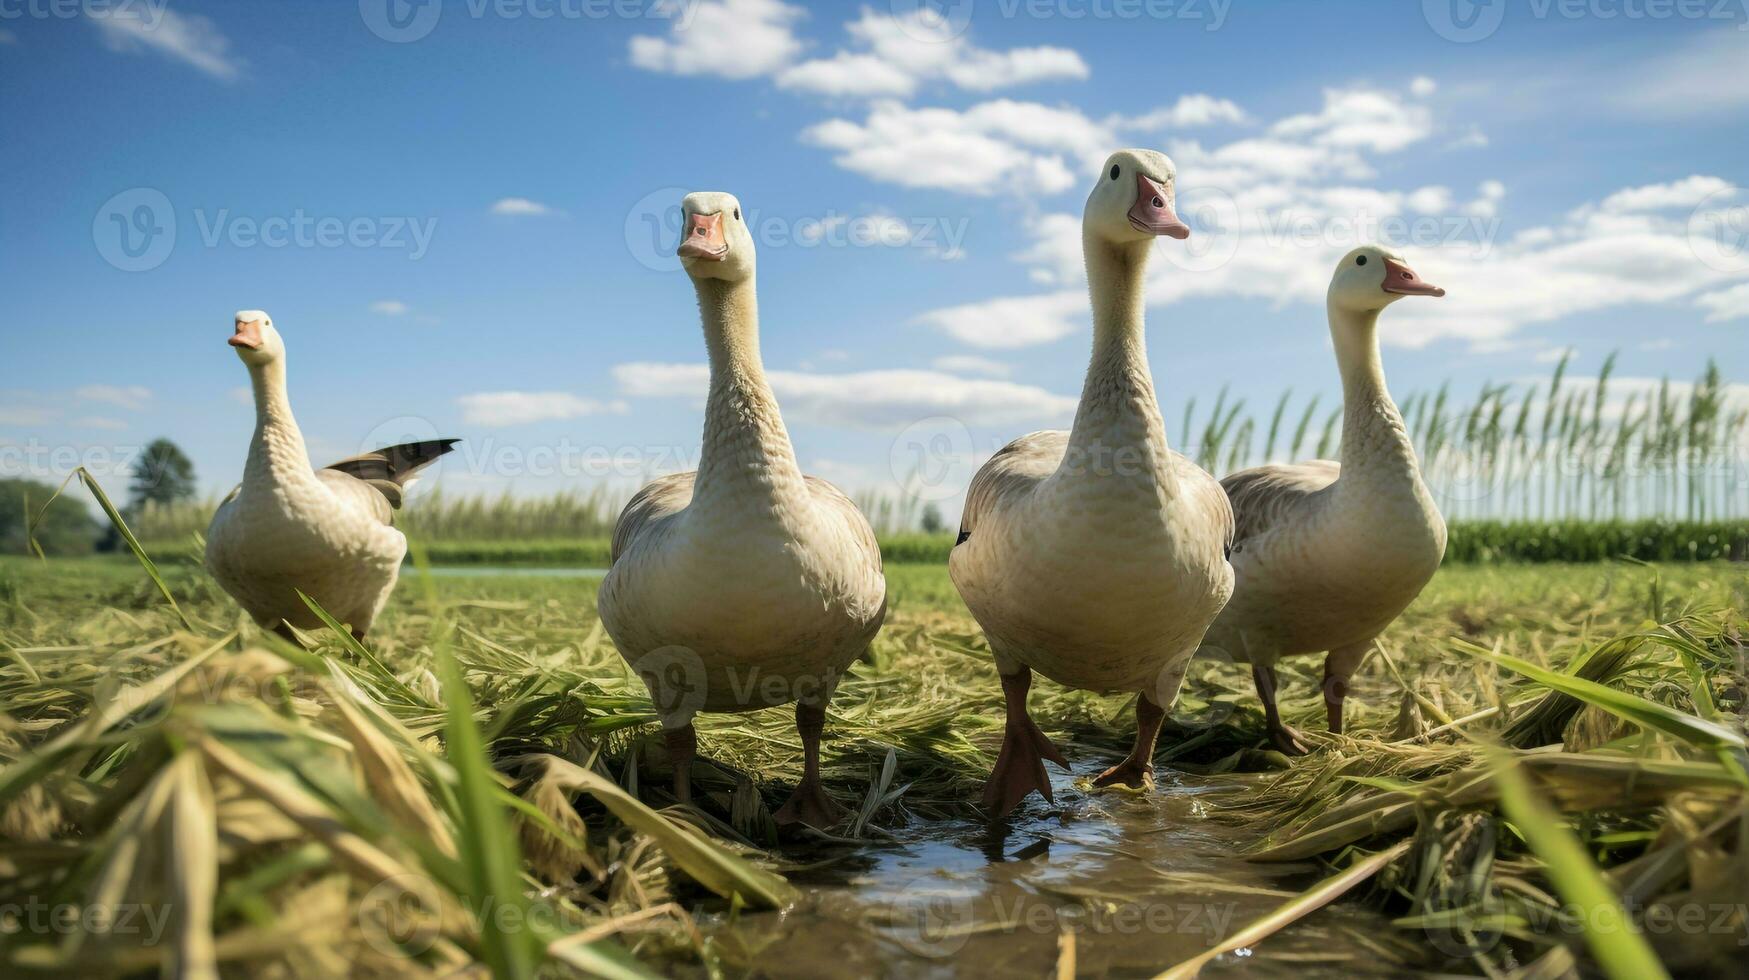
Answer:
(1512, 461)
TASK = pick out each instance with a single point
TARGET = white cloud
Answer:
(26, 415)
(133, 398)
(971, 364)
(519, 206)
(1726, 304)
(727, 38)
(1688, 80)
(1685, 193)
(1421, 86)
(1277, 211)
(389, 307)
(897, 54)
(865, 399)
(502, 408)
(993, 147)
(1361, 119)
(1195, 109)
(189, 38)
(99, 422)
(1012, 321)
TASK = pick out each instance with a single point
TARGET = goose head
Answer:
(1371, 278)
(1134, 199)
(714, 240)
(256, 341)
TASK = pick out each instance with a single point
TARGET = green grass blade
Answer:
(1291, 911)
(709, 864)
(1615, 943)
(1641, 711)
(121, 528)
(490, 854)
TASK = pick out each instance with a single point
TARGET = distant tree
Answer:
(932, 520)
(162, 475)
(67, 528)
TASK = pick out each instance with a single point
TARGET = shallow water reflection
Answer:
(1139, 883)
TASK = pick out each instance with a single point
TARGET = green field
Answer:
(290, 786)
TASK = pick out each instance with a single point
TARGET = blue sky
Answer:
(459, 228)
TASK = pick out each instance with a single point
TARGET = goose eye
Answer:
(737, 214)
(1114, 170)
(1360, 260)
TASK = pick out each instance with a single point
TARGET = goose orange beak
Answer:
(1399, 278)
(703, 238)
(1152, 213)
(248, 335)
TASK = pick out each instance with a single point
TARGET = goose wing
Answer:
(1019, 465)
(833, 499)
(657, 500)
(1205, 496)
(1266, 497)
(390, 470)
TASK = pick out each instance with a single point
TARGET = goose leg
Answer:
(1137, 770)
(1020, 766)
(1282, 737)
(682, 745)
(809, 804)
(1339, 665)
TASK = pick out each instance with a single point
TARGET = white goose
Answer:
(1328, 554)
(743, 585)
(1097, 556)
(289, 528)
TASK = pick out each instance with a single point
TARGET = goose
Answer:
(1097, 556)
(288, 528)
(744, 584)
(1328, 553)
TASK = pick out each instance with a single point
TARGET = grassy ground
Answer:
(265, 796)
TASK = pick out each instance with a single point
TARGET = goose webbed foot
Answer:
(1135, 775)
(810, 805)
(1287, 741)
(1020, 765)
(1137, 769)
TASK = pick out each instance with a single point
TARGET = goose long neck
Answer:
(1375, 441)
(276, 451)
(1119, 416)
(746, 451)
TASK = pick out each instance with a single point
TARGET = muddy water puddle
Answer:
(1140, 883)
